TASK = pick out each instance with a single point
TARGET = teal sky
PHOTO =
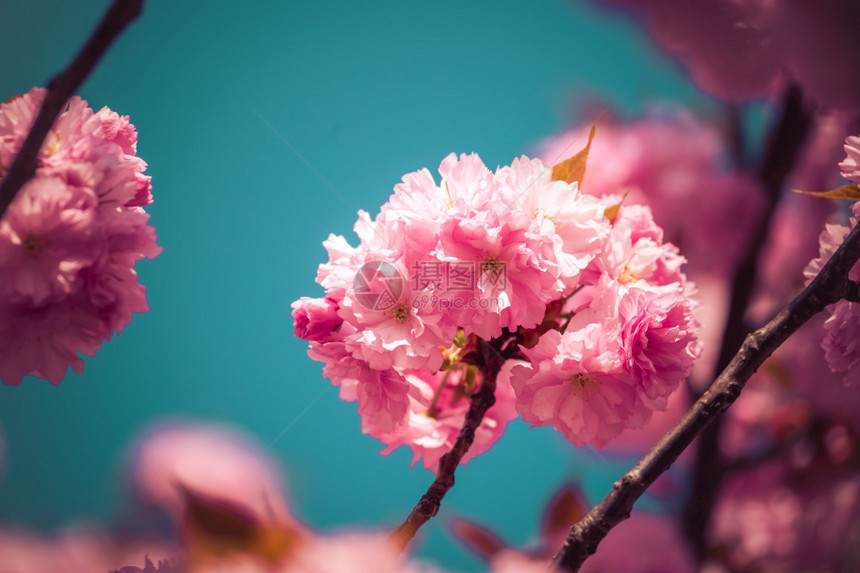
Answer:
(266, 125)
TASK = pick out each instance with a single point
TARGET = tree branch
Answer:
(852, 291)
(826, 288)
(60, 89)
(428, 506)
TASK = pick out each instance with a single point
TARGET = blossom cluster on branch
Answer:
(544, 289)
(595, 314)
(70, 239)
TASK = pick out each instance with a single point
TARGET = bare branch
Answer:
(852, 291)
(60, 89)
(826, 288)
(481, 401)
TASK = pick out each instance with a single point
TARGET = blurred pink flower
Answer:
(355, 552)
(677, 165)
(739, 49)
(851, 164)
(780, 518)
(840, 343)
(77, 550)
(643, 543)
(210, 460)
(71, 238)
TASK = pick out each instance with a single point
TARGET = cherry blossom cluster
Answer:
(70, 239)
(586, 303)
(840, 343)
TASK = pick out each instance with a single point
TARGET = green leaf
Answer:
(572, 169)
(851, 192)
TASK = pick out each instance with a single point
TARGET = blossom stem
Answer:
(827, 287)
(60, 89)
(491, 358)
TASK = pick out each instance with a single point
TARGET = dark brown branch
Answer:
(782, 148)
(828, 287)
(481, 401)
(60, 89)
(852, 291)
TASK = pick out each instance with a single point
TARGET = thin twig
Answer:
(830, 285)
(60, 89)
(428, 506)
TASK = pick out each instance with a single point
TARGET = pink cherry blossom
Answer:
(644, 543)
(840, 343)
(71, 238)
(511, 253)
(678, 166)
(356, 552)
(315, 318)
(381, 393)
(780, 518)
(437, 410)
(739, 49)
(658, 340)
(577, 383)
(851, 164)
(210, 460)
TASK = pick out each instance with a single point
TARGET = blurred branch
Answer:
(783, 147)
(491, 362)
(852, 291)
(60, 89)
(829, 286)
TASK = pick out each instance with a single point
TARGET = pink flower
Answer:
(658, 340)
(677, 165)
(210, 460)
(69, 242)
(851, 164)
(782, 518)
(45, 241)
(437, 410)
(484, 255)
(77, 549)
(644, 543)
(743, 49)
(513, 561)
(356, 552)
(381, 393)
(315, 318)
(840, 344)
(578, 384)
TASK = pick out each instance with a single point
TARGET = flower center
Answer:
(491, 265)
(583, 385)
(33, 244)
(52, 144)
(400, 313)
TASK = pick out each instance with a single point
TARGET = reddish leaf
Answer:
(566, 507)
(477, 538)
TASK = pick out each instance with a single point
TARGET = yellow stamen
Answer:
(33, 244)
(400, 313)
(583, 385)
